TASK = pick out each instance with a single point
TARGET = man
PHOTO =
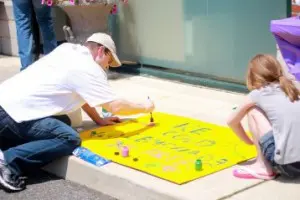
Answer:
(25, 12)
(70, 77)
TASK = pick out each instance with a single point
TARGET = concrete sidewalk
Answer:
(181, 99)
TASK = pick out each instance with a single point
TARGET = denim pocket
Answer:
(10, 132)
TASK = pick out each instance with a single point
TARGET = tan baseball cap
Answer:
(107, 41)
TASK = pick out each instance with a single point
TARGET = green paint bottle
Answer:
(198, 165)
(93, 133)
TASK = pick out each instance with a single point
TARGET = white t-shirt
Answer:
(58, 83)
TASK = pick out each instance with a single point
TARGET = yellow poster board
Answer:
(169, 149)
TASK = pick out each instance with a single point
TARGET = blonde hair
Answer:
(263, 70)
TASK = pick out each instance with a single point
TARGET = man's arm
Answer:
(94, 115)
(124, 107)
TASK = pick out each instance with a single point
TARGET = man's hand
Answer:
(149, 106)
(108, 121)
(124, 107)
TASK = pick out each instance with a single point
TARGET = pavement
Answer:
(176, 98)
(44, 186)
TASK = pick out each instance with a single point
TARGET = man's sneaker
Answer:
(8, 181)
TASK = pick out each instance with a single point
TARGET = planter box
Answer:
(87, 19)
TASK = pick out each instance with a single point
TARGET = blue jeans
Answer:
(30, 145)
(267, 145)
(24, 11)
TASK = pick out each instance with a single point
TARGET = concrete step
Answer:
(102, 179)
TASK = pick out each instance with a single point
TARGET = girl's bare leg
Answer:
(259, 125)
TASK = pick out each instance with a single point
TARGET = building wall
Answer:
(210, 37)
(201, 36)
(8, 41)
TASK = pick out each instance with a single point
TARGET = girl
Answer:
(273, 112)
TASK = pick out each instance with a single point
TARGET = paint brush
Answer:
(151, 117)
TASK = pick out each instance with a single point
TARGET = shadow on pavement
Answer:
(40, 176)
(287, 180)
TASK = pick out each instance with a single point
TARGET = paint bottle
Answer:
(49, 2)
(198, 165)
(93, 133)
(125, 151)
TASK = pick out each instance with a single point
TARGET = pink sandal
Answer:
(246, 173)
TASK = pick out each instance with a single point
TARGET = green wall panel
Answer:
(211, 37)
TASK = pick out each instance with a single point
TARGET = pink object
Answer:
(49, 2)
(151, 124)
(72, 2)
(43, 1)
(125, 151)
(246, 173)
(114, 10)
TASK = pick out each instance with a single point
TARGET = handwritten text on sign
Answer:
(171, 147)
